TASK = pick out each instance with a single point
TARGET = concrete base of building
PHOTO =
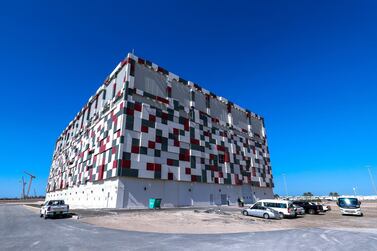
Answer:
(134, 193)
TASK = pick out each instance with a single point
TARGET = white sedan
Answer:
(261, 211)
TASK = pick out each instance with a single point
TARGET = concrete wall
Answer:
(134, 193)
(137, 192)
(103, 194)
(259, 193)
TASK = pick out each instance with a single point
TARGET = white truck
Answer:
(54, 208)
(349, 206)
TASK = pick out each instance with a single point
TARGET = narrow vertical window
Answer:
(114, 88)
(82, 120)
(88, 115)
(208, 103)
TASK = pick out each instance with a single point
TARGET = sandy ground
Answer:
(228, 220)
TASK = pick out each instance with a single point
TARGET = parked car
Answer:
(319, 206)
(299, 210)
(54, 208)
(326, 208)
(309, 207)
(261, 211)
(284, 207)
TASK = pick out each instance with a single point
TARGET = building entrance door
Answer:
(224, 200)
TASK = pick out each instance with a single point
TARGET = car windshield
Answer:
(56, 202)
(256, 206)
(348, 202)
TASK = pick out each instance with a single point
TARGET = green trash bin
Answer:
(154, 203)
(157, 203)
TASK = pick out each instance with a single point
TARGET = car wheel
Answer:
(311, 211)
(266, 216)
(281, 215)
(244, 212)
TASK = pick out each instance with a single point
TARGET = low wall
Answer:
(134, 193)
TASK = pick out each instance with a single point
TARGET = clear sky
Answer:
(308, 67)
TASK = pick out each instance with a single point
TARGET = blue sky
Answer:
(309, 67)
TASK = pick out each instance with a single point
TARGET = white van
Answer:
(349, 206)
(284, 207)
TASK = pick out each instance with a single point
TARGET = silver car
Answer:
(299, 210)
(261, 211)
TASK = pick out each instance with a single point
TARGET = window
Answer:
(282, 205)
(221, 158)
(150, 81)
(114, 89)
(269, 204)
(240, 119)
(88, 114)
(219, 110)
(200, 101)
(256, 125)
(181, 93)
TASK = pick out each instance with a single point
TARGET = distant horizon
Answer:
(314, 195)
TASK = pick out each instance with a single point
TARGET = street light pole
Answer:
(285, 185)
(372, 180)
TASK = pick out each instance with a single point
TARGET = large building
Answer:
(148, 133)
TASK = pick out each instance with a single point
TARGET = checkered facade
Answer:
(146, 122)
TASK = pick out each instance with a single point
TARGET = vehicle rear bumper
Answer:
(57, 213)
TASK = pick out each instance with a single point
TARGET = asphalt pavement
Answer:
(22, 229)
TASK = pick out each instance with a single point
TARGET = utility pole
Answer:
(31, 180)
(285, 185)
(23, 187)
(23, 183)
(372, 180)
